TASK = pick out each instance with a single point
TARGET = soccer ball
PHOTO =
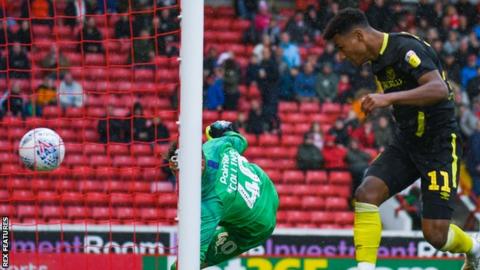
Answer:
(41, 149)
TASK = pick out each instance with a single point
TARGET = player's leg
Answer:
(390, 173)
(439, 171)
(228, 244)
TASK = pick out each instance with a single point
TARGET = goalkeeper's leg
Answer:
(226, 244)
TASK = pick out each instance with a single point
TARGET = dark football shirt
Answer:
(403, 59)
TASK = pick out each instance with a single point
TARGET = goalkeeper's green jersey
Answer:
(236, 194)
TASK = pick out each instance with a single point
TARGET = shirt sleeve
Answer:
(235, 140)
(212, 212)
(416, 59)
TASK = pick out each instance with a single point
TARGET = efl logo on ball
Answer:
(41, 149)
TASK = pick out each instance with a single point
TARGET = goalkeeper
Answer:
(239, 201)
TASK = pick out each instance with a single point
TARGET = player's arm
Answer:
(415, 60)
(432, 89)
(212, 212)
(224, 131)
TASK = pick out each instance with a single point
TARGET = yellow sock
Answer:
(367, 230)
(458, 241)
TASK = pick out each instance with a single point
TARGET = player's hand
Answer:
(218, 128)
(373, 101)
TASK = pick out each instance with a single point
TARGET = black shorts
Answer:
(436, 162)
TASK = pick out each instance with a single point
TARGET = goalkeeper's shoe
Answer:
(218, 128)
(472, 261)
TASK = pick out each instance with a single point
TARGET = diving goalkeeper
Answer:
(239, 201)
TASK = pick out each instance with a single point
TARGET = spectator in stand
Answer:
(339, 131)
(210, 61)
(313, 21)
(75, 12)
(91, 38)
(268, 84)
(70, 92)
(251, 75)
(123, 28)
(241, 123)
(452, 67)
(467, 9)
(167, 23)
(11, 102)
(316, 133)
(115, 129)
(452, 44)
(470, 71)
(170, 49)
(287, 83)
(326, 84)
(309, 156)
(345, 93)
(379, 16)
(273, 31)
(140, 124)
(19, 64)
(297, 28)
(6, 34)
(256, 123)
(55, 62)
(262, 18)
(143, 51)
(357, 162)
(473, 159)
(291, 54)
(304, 87)
(333, 154)
(364, 135)
(215, 93)
(40, 10)
(45, 94)
(364, 79)
(110, 6)
(424, 10)
(231, 79)
(328, 55)
(23, 35)
(161, 134)
(383, 133)
(473, 86)
(258, 49)
(468, 121)
(246, 8)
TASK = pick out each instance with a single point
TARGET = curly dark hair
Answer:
(344, 21)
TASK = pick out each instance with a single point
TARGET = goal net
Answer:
(105, 78)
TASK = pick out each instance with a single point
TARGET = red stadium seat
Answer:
(124, 161)
(317, 177)
(167, 200)
(22, 196)
(73, 112)
(96, 198)
(74, 148)
(290, 202)
(268, 140)
(148, 161)
(162, 187)
(140, 186)
(7, 210)
(71, 197)
(41, 184)
(340, 178)
(292, 140)
(52, 112)
(83, 172)
(332, 108)
(76, 160)
(144, 199)
(88, 186)
(47, 197)
(148, 214)
(12, 121)
(141, 149)
(100, 161)
(77, 212)
(336, 203)
(229, 116)
(121, 199)
(64, 185)
(255, 152)
(93, 149)
(118, 149)
(275, 175)
(313, 203)
(294, 217)
(17, 183)
(294, 118)
(309, 108)
(344, 218)
(102, 213)
(52, 212)
(292, 177)
(321, 218)
(124, 213)
(27, 211)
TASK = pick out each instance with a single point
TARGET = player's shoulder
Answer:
(404, 41)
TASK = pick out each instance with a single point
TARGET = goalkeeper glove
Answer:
(218, 129)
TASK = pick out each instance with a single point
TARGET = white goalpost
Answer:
(191, 80)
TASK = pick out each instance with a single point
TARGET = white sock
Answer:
(476, 247)
(366, 266)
